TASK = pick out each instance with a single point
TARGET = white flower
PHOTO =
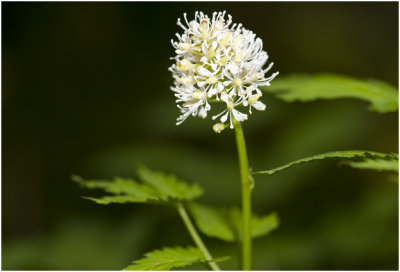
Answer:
(218, 61)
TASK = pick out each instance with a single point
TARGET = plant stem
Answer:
(196, 237)
(246, 197)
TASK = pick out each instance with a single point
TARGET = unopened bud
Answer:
(218, 127)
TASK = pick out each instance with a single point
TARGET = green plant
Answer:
(201, 79)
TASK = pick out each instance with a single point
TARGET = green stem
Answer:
(246, 197)
(195, 236)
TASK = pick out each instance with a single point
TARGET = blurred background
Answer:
(85, 90)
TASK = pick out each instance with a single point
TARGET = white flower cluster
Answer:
(218, 61)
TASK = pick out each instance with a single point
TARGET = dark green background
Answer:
(85, 90)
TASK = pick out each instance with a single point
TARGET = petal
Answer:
(259, 106)
(239, 116)
(225, 117)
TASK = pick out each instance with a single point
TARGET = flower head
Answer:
(217, 61)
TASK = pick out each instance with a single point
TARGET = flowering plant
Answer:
(221, 62)
(218, 61)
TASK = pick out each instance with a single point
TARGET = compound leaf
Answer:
(169, 185)
(303, 87)
(213, 222)
(354, 158)
(120, 190)
(225, 223)
(168, 258)
(155, 188)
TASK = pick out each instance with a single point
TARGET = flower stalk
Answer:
(246, 185)
(220, 61)
(196, 237)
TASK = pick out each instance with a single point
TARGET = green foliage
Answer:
(355, 158)
(389, 164)
(168, 258)
(262, 225)
(302, 87)
(168, 186)
(214, 222)
(157, 187)
(225, 224)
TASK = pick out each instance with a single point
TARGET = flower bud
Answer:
(218, 127)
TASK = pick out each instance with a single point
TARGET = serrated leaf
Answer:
(156, 188)
(225, 223)
(168, 258)
(303, 87)
(121, 190)
(262, 225)
(348, 156)
(169, 185)
(213, 222)
(120, 199)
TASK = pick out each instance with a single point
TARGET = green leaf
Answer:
(156, 188)
(168, 185)
(350, 157)
(213, 222)
(262, 225)
(168, 258)
(225, 224)
(121, 190)
(390, 164)
(302, 87)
